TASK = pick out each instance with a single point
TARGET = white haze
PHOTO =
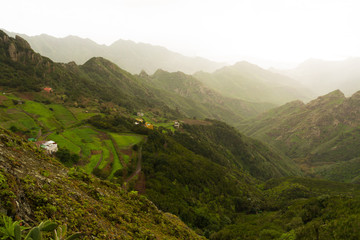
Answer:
(279, 33)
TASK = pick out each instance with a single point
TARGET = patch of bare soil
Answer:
(27, 96)
(108, 167)
(103, 136)
(128, 152)
(2, 98)
(96, 152)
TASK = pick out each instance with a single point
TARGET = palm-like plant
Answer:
(11, 229)
(61, 231)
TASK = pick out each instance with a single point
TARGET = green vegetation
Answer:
(126, 140)
(13, 230)
(66, 157)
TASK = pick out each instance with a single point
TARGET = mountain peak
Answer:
(22, 42)
(100, 61)
(18, 49)
(356, 96)
(335, 94)
(245, 65)
(334, 97)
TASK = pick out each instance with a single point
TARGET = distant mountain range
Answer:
(249, 82)
(326, 76)
(131, 56)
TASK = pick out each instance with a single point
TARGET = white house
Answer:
(50, 146)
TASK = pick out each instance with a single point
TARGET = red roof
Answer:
(47, 89)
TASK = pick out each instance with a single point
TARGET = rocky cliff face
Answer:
(18, 50)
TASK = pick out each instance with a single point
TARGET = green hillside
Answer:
(316, 135)
(227, 109)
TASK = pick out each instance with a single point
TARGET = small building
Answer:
(140, 114)
(177, 124)
(149, 125)
(50, 146)
(48, 89)
(140, 120)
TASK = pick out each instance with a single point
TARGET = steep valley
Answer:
(160, 156)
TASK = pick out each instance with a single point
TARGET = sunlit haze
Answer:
(279, 33)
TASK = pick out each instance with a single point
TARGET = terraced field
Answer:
(106, 151)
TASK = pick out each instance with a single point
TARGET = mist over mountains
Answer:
(325, 76)
(131, 56)
(249, 82)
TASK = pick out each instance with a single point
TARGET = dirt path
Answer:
(39, 134)
(138, 166)
(101, 157)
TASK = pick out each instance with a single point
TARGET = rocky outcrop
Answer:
(19, 50)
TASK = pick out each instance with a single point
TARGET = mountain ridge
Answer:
(127, 54)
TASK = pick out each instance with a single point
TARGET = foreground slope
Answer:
(35, 187)
(323, 132)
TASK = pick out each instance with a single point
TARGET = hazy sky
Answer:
(277, 31)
